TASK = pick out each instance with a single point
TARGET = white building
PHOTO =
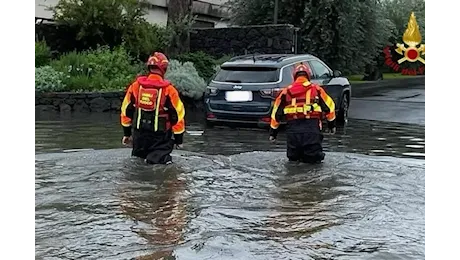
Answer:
(210, 13)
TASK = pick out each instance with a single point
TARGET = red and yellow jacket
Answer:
(308, 107)
(172, 103)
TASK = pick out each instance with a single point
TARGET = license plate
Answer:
(238, 96)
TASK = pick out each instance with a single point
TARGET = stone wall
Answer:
(111, 101)
(237, 40)
(80, 102)
(92, 102)
(245, 39)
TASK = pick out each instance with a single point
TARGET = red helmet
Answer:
(158, 61)
(302, 70)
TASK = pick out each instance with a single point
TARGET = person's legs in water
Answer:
(140, 144)
(314, 157)
(161, 147)
(294, 148)
(154, 148)
(312, 150)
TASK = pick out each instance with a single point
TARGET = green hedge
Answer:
(42, 54)
(186, 79)
(103, 69)
(106, 69)
(205, 64)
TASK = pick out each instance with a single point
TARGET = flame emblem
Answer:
(411, 38)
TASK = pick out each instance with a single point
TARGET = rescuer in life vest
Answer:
(153, 108)
(302, 105)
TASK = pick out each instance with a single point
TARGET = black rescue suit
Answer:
(152, 108)
(302, 105)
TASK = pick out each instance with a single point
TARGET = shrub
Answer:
(82, 82)
(100, 69)
(203, 63)
(223, 59)
(145, 38)
(220, 61)
(48, 79)
(110, 22)
(42, 54)
(186, 79)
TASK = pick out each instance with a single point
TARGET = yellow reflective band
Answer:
(139, 112)
(124, 106)
(306, 83)
(304, 109)
(139, 118)
(330, 103)
(317, 108)
(293, 110)
(180, 111)
(157, 108)
(308, 96)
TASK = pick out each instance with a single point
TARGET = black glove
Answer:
(331, 126)
(126, 130)
(273, 133)
(178, 138)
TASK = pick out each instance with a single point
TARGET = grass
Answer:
(357, 78)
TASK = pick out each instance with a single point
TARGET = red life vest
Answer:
(302, 101)
(150, 103)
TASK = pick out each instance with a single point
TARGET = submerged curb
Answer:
(368, 88)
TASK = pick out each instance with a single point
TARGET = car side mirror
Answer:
(337, 73)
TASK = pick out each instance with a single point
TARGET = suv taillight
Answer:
(272, 92)
(211, 91)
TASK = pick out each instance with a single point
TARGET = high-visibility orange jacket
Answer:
(153, 94)
(302, 100)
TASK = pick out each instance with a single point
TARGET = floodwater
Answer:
(229, 195)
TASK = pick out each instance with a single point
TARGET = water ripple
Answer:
(252, 205)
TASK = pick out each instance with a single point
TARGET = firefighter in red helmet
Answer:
(302, 104)
(153, 113)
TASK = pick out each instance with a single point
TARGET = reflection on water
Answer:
(102, 131)
(231, 195)
(158, 210)
(105, 205)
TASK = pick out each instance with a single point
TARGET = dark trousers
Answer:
(156, 148)
(305, 147)
(304, 141)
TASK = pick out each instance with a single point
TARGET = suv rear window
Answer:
(247, 74)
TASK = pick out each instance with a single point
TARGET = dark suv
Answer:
(245, 87)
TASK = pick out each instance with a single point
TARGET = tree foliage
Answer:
(180, 20)
(178, 35)
(42, 54)
(347, 34)
(398, 12)
(111, 22)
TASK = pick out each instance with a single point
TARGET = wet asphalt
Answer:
(390, 105)
(232, 195)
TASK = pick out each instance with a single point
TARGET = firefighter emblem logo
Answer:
(412, 38)
(408, 57)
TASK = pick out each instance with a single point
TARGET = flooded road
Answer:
(229, 195)
(405, 105)
(55, 133)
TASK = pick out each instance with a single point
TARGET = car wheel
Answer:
(342, 117)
